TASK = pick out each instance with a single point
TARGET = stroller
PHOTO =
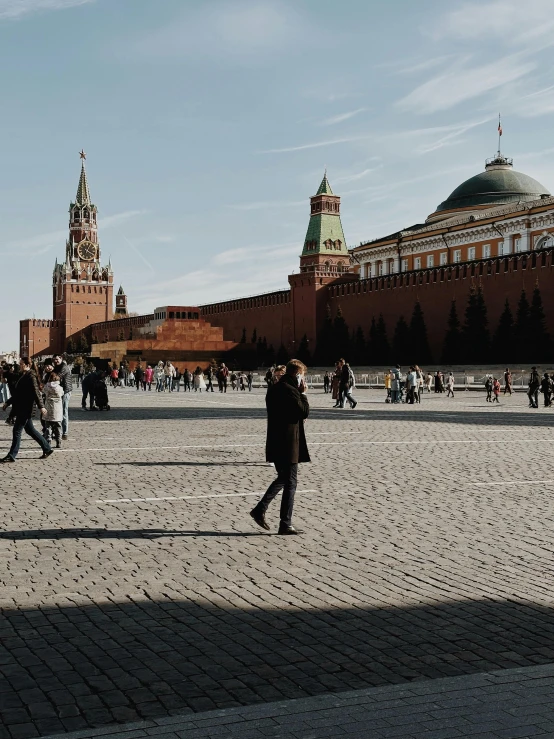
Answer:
(101, 394)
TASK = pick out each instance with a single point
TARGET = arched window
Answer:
(327, 266)
(85, 213)
(545, 242)
(340, 266)
(76, 215)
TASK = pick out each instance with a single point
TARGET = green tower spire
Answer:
(325, 236)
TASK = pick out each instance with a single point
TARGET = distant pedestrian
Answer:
(533, 392)
(495, 390)
(546, 389)
(210, 380)
(326, 382)
(347, 384)
(53, 417)
(450, 385)
(250, 381)
(139, 376)
(148, 377)
(287, 408)
(222, 376)
(507, 381)
(488, 388)
(64, 373)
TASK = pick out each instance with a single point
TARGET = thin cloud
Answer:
(15, 9)
(341, 117)
(315, 145)
(356, 176)
(507, 21)
(462, 83)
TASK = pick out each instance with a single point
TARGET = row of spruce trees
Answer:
(516, 340)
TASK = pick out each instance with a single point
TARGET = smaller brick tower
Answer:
(82, 287)
(324, 260)
(120, 303)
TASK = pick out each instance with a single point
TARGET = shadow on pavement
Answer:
(114, 534)
(73, 667)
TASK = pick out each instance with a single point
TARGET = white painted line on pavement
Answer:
(188, 497)
(513, 482)
(314, 443)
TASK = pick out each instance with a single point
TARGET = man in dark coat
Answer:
(26, 394)
(287, 407)
(61, 368)
(534, 385)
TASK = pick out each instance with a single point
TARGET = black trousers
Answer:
(287, 480)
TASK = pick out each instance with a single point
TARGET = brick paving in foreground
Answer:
(427, 554)
(508, 703)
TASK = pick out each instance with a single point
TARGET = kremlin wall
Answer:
(495, 232)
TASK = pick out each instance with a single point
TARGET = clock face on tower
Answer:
(86, 250)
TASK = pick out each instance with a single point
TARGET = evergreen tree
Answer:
(400, 342)
(270, 356)
(254, 339)
(523, 330)
(282, 355)
(504, 337)
(418, 343)
(243, 337)
(260, 350)
(341, 338)
(83, 344)
(380, 348)
(358, 347)
(303, 353)
(324, 349)
(539, 339)
(452, 347)
(475, 332)
(71, 346)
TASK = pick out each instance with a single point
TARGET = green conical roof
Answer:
(325, 187)
(83, 193)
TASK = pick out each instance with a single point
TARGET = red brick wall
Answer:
(270, 315)
(360, 301)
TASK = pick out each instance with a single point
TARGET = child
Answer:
(496, 390)
(53, 392)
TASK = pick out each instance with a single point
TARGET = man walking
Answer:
(347, 382)
(64, 373)
(287, 407)
(26, 394)
(210, 380)
(534, 384)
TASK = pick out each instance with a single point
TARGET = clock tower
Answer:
(82, 287)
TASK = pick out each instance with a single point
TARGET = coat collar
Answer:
(289, 380)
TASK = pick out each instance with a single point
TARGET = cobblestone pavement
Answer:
(507, 703)
(134, 585)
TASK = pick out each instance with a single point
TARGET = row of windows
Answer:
(84, 214)
(83, 289)
(493, 266)
(333, 207)
(183, 314)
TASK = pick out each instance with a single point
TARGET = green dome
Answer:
(498, 184)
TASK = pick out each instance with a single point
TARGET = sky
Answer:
(208, 125)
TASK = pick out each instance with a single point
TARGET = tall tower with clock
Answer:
(82, 286)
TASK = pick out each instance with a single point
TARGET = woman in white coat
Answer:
(199, 382)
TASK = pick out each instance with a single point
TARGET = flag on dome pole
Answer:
(499, 127)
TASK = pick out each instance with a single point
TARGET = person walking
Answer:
(347, 382)
(411, 384)
(488, 388)
(326, 382)
(533, 392)
(187, 380)
(419, 384)
(222, 375)
(148, 377)
(335, 384)
(159, 377)
(53, 417)
(388, 385)
(450, 385)
(139, 376)
(286, 447)
(249, 381)
(428, 381)
(26, 395)
(507, 381)
(177, 380)
(396, 375)
(546, 389)
(495, 389)
(114, 376)
(64, 373)
(210, 380)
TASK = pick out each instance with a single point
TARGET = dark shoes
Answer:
(285, 530)
(354, 404)
(65, 437)
(6, 459)
(45, 455)
(259, 518)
